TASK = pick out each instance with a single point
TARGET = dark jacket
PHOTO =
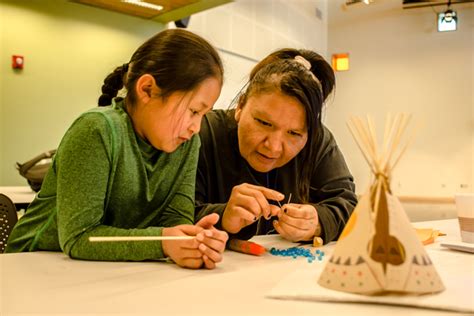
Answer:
(221, 167)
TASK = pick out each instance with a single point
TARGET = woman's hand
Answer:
(212, 241)
(246, 204)
(297, 222)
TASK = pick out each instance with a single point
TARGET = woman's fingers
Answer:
(297, 222)
(275, 210)
(299, 211)
(255, 199)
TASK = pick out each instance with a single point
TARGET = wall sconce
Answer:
(340, 62)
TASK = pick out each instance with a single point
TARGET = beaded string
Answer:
(298, 252)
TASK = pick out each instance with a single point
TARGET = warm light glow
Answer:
(144, 4)
(340, 62)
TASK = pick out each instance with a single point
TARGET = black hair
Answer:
(281, 72)
(177, 59)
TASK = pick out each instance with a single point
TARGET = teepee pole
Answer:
(360, 143)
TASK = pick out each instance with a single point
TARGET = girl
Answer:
(128, 169)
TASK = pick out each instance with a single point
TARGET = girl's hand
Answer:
(212, 241)
(246, 204)
(184, 253)
(297, 222)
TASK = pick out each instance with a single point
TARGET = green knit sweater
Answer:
(106, 181)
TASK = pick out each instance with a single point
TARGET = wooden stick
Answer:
(371, 125)
(377, 198)
(137, 238)
(388, 124)
(393, 132)
(405, 119)
(360, 144)
(360, 126)
(409, 142)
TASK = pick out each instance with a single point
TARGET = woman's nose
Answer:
(274, 142)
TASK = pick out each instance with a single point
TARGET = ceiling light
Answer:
(340, 62)
(144, 4)
(447, 20)
(350, 2)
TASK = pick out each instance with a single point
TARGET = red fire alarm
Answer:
(17, 62)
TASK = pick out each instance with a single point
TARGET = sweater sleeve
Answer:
(84, 172)
(180, 210)
(332, 193)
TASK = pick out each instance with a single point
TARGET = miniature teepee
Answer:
(378, 251)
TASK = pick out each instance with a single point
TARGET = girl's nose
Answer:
(195, 126)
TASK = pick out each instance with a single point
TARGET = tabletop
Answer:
(19, 194)
(47, 283)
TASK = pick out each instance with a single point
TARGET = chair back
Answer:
(8, 219)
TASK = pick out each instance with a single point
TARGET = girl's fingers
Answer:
(191, 263)
(191, 253)
(214, 244)
(209, 264)
(213, 255)
(214, 239)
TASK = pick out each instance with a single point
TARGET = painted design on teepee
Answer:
(378, 250)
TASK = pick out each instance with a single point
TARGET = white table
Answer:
(19, 194)
(45, 283)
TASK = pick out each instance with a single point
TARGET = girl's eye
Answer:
(263, 122)
(194, 112)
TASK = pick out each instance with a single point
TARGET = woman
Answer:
(274, 145)
(128, 169)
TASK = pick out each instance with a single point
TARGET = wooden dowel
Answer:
(373, 134)
(360, 144)
(403, 125)
(360, 126)
(137, 238)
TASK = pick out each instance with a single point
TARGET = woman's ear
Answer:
(240, 106)
(144, 88)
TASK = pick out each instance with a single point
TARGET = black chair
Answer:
(8, 219)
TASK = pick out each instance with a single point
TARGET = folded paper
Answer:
(379, 250)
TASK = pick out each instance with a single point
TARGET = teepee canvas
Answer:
(378, 251)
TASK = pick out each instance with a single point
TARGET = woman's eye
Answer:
(194, 112)
(292, 133)
(263, 122)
